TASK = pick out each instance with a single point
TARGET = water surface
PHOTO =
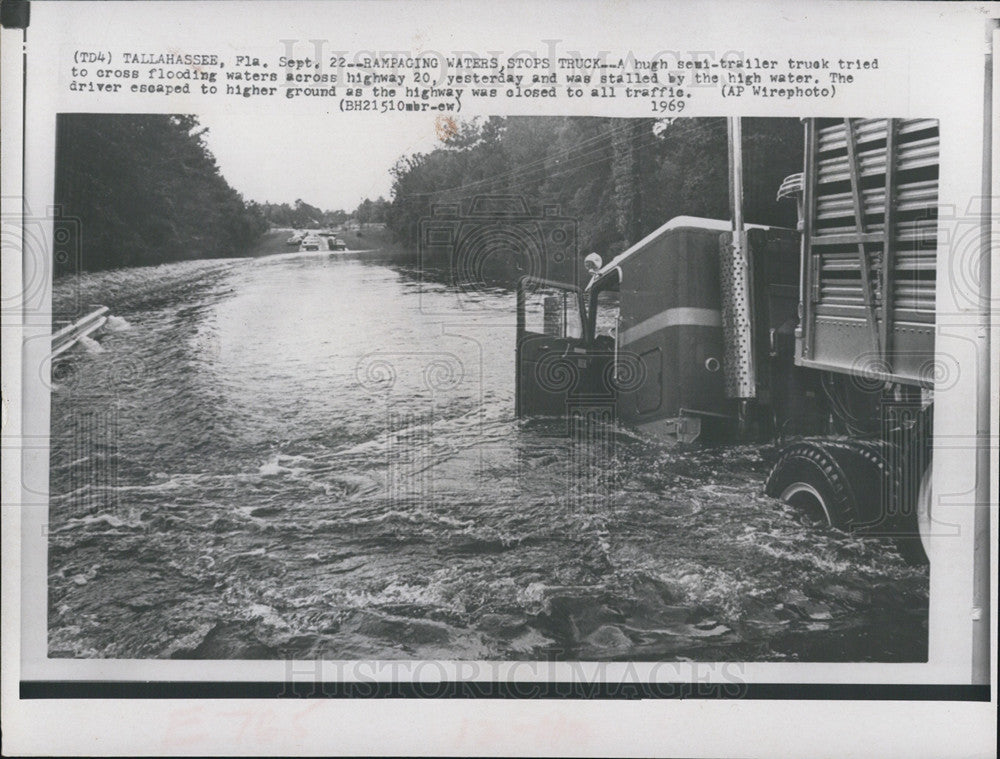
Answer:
(317, 455)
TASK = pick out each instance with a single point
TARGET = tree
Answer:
(371, 211)
(626, 143)
(146, 189)
(619, 178)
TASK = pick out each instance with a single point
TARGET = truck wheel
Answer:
(813, 478)
(912, 498)
(844, 483)
(915, 547)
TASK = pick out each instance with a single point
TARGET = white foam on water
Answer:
(279, 464)
(271, 468)
(533, 598)
(267, 615)
(117, 324)
(825, 561)
(90, 345)
(433, 594)
(111, 521)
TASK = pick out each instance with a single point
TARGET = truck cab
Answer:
(645, 336)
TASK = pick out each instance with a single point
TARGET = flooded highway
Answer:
(317, 455)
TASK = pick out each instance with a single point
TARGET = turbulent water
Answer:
(317, 455)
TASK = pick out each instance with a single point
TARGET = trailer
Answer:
(820, 337)
(868, 214)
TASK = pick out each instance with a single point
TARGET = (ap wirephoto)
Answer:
(519, 388)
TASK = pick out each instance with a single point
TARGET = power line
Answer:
(598, 141)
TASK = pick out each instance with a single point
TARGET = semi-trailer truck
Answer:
(820, 337)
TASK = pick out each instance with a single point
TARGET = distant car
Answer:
(338, 244)
(294, 239)
(311, 243)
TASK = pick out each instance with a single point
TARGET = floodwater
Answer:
(316, 455)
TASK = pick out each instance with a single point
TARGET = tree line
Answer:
(145, 189)
(301, 215)
(619, 178)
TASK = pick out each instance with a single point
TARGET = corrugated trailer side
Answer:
(870, 193)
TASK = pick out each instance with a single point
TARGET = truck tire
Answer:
(816, 478)
(891, 507)
(916, 548)
(868, 476)
(848, 485)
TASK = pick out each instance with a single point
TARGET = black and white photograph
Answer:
(527, 393)
(458, 378)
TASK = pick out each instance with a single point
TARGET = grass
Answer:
(273, 241)
(377, 239)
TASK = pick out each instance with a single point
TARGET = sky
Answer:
(332, 162)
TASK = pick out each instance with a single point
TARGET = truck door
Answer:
(551, 352)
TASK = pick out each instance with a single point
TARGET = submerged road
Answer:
(316, 455)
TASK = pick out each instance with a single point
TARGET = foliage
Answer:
(146, 189)
(619, 178)
(371, 211)
(301, 215)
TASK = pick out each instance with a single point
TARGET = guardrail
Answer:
(68, 336)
